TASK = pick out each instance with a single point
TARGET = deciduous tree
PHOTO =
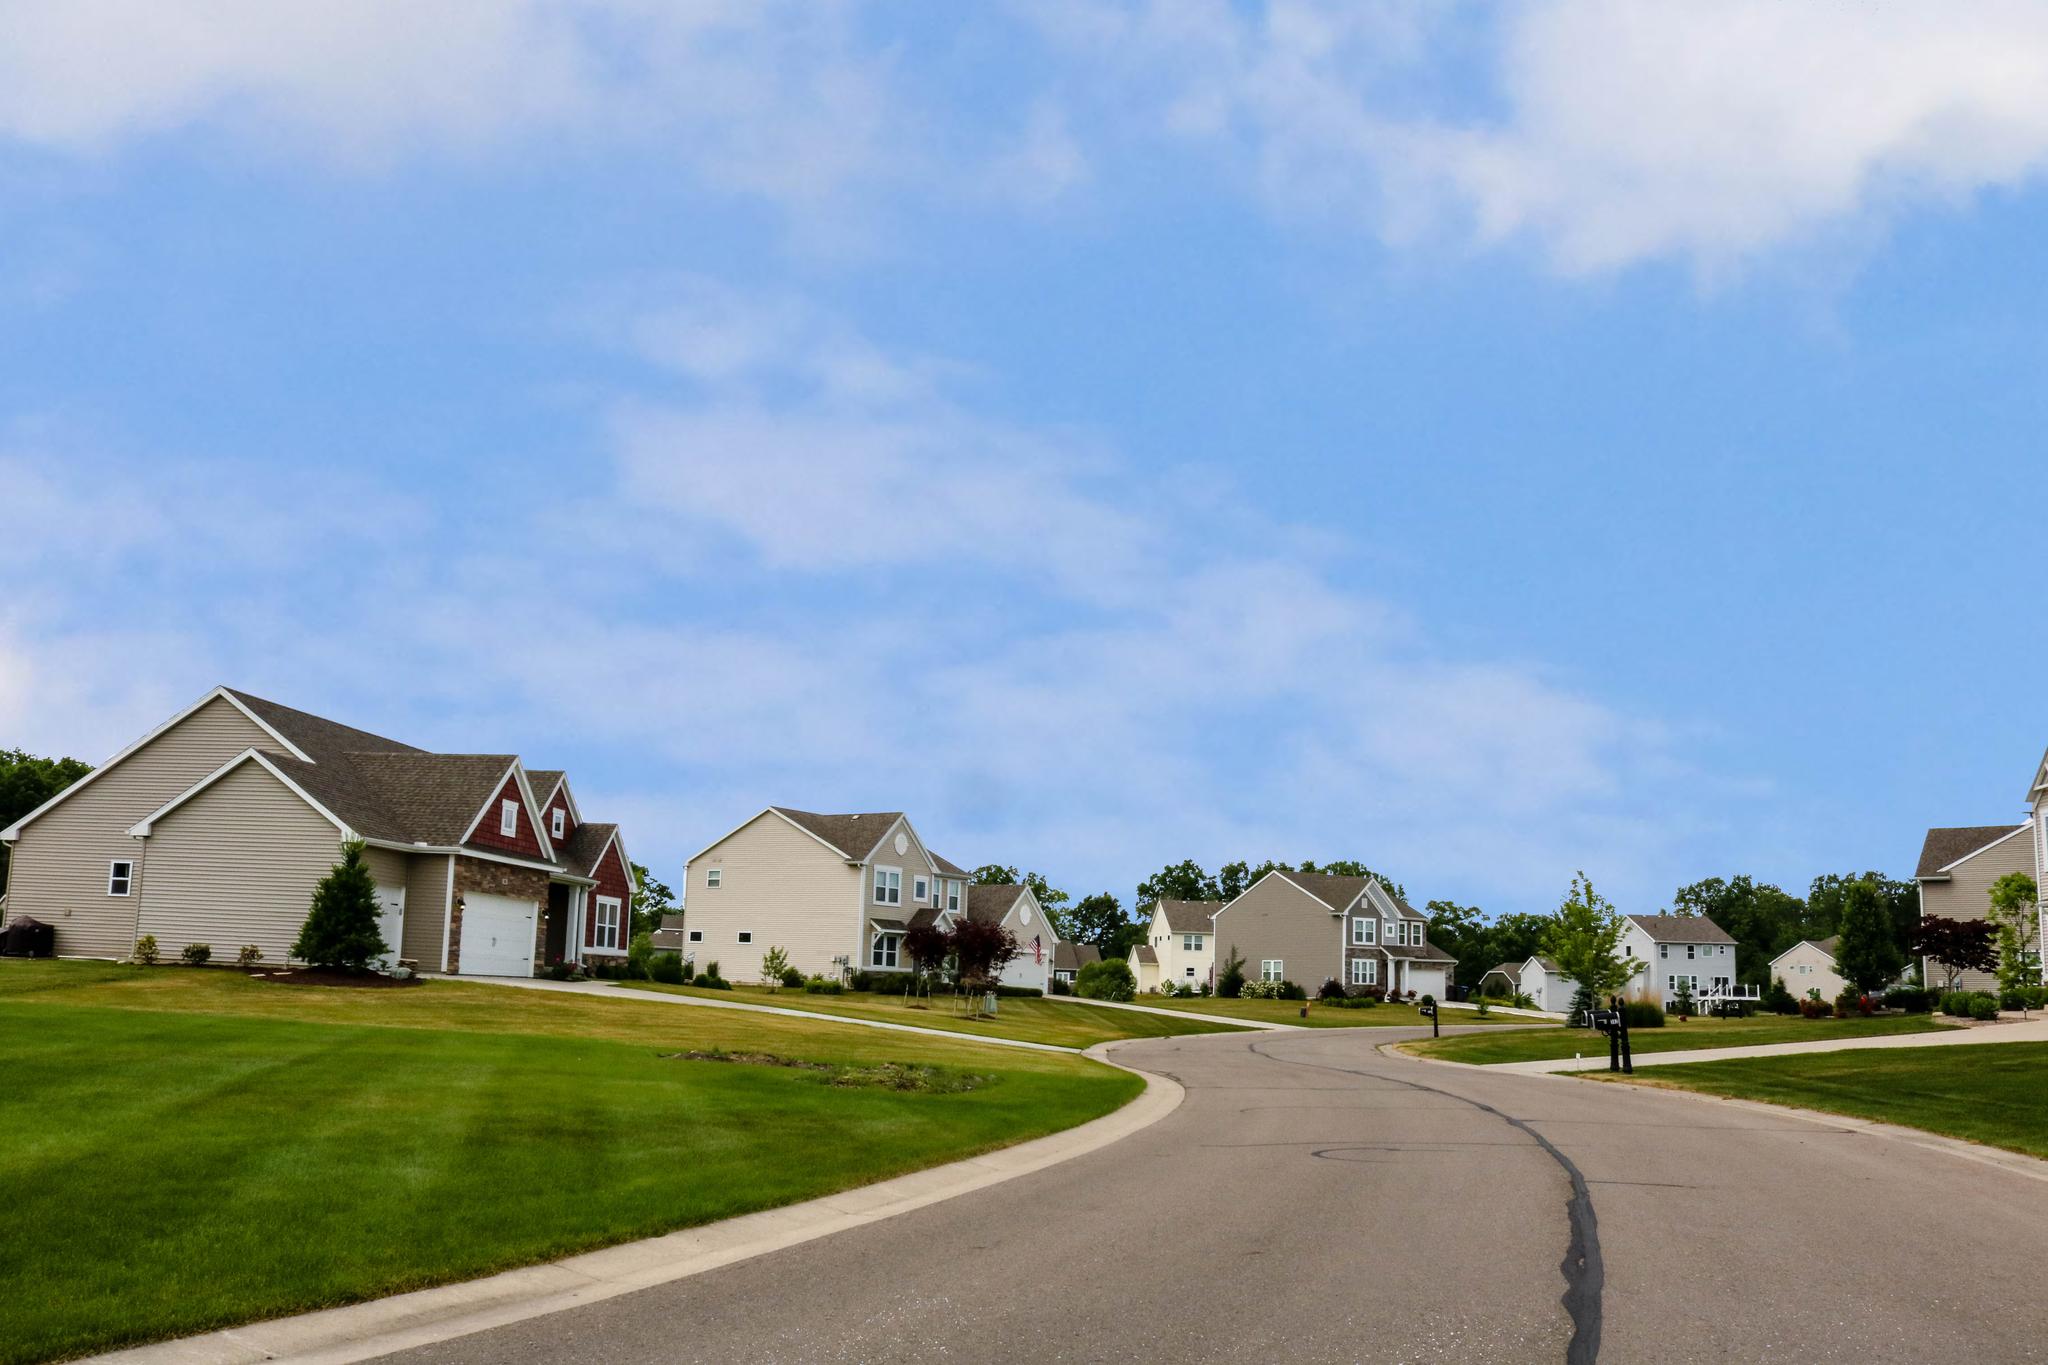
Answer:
(1956, 946)
(1866, 955)
(1584, 938)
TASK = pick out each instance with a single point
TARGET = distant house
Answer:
(1180, 944)
(1018, 910)
(1069, 958)
(1682, 948)
(1957, 866)
(1309, 928)
(1506, 979)
(216, 826)
(1539, 978)
(669, 937)
(1809, 965)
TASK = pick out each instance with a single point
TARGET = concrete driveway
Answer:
(1315, 1199)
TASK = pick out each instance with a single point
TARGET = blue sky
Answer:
(1490, 441)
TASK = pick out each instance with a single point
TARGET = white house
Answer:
(1809, 965)
(1179, 947)
(1682, 948)
(1545, 983)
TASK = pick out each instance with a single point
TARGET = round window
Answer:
(902, 845)
(1027, 914)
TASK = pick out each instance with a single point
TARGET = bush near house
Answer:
(1911, 999)
(667, 968)
(340, 933)
(1816, 1009)
(818, 985)
(1109, 979)
(640, 958)
(2023, 998)
(1970, 1004)
(792, 977)
(1642, 1014)
(248, 956)
(146, 950)
(1331, 989)
(196, 954)
(1778, 1000)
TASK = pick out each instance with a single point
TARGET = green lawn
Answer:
(184, 1150)
(1989, 1093)
(1543, 1044)
(1319, 1016)
(1022, 1017)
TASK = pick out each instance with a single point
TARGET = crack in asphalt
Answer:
(1585, 1275)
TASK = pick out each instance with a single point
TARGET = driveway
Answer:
(1314, 1199)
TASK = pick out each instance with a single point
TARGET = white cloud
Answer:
(1607, 132)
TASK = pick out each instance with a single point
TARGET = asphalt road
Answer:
(1316, 1200)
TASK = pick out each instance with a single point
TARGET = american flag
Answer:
(1037, 948)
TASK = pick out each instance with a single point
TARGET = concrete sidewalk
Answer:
(1258, 1024)
(2033, 1031)
(611, 992)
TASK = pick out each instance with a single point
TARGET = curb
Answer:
(403, 1321)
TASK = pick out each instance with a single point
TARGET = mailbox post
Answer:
(1429, 1011)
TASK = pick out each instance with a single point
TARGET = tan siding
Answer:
(784, 886)
(236, 864)
(1278, 919)
(59, 871)
(1967, 895)
(1820, 973)
(426, 908)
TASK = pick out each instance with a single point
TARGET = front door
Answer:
(558, 923)
(390, 924)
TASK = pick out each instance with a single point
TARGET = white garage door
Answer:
(497, 936)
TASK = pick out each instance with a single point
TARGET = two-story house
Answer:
(1688, 949)
(1957, 866)
(1179, 947)
(1309, 928)
(216, 826)
(837, 893)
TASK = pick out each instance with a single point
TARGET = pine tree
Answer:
(341, 930)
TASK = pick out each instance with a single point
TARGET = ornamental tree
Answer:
(980, 950)
(1956, 946)
(340, 932)
(1584, 939)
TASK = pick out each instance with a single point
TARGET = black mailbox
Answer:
(1604, 1020)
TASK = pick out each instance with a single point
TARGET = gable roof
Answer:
(994, 902)
(1144, 953)
(948, 866)
(1505, 969)
(852, 836)
(1680, 929)
(1188, 917)
(317, 737)
(1072, 957)
(544, 781)
(1946, 847)
(585, 845)
(434, 797)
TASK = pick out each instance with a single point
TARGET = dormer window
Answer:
(561, 818)
(508, 818)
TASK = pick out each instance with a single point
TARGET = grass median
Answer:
(189, 1149)
(1988, 1093)
(1319, 1014)
(1557, 1043)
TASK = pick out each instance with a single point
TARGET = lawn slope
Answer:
(207, 1149)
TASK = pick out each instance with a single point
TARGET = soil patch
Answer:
(931, 1080)
(307, 976)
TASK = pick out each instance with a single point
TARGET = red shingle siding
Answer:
(487, 836)
(611, 881)
(568, 820)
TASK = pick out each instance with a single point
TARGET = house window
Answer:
(1663, 950)
(1688, 952)
(696, 936)
(508, 818)
(1190, 972)
(953, 896)
(746, 935)
(1415, 932)
(885, 950)
(921, 891)
(1365, 971)
(1365, 933)
(1270, 969)
(607, 922)
(888, 886)
(120, 875)
(714, 878)
(1191, 943)
(555, 827)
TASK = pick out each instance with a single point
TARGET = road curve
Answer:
(1314, 1199)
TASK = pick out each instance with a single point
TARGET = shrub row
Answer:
(1970, 1004)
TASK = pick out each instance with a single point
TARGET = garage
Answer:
(497, 936)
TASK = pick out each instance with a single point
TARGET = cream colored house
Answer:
(215, 827)
(1179, 947)
(1809, 965)
(1018, 910)
(1309, 928)
(1957, 866)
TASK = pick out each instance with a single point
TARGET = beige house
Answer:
(1807, 966)
(1179, 947)
(1957, 866)
(1309, 928)
(1069, 958)
(215, 827)
(837, 893)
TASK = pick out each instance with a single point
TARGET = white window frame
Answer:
(1365, 971)
(1190, 972)
(508, 819)
(1191, 943)
(1273, 969)
(953, 897)
(1365, 933)
(696, 935)
(887, 949)
(557, 819)
(888, 885)
(126, 877)
(714, 877)
(1664, 950)
(610, 910)
(1690, 955)
(1415, 929)
(921, 890)
(744, 936)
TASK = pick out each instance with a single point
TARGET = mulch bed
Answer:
(306, 976)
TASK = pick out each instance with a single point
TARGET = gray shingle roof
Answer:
(1944, 846)
(1339, 892)
(1505, 969)
(1680, 929)
(1072, 957)
(544, 781)
(1189, 917)
(1144, 953)
(991, 902)
(853, 835)
(584, 846)
(321, 739)
(431, 797)
(948, 866)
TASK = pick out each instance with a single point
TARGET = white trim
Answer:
(876, 875)
(448, 912)
(13, 831)
(515, 771)
(127, 878)
(508, 814)
(931, 863)
(141, 828)
(562, 786)
(2022, 829)
(554, 870)
(558, 821)
(618, 908)
(714, 878)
